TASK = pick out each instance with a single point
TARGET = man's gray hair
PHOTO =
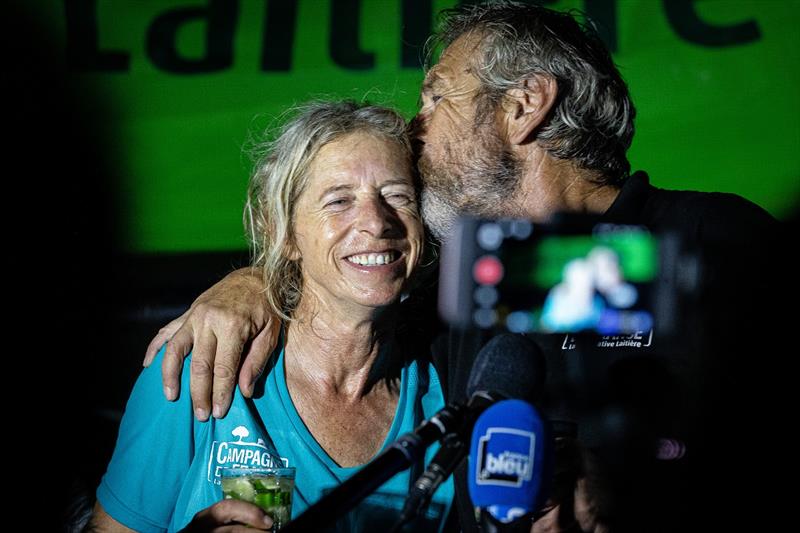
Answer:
(281, 175)
(591, 122)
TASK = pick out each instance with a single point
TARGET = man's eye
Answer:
(430, 99)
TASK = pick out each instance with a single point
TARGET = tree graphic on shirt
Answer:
(241, 432)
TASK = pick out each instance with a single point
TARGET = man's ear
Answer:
(527, 106)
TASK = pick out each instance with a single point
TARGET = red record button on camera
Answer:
(488, 270)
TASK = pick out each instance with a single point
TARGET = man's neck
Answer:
(551, 185)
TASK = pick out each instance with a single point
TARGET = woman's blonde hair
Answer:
(281, 175)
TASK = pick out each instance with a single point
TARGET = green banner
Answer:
(716, 84)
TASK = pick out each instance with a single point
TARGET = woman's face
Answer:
(358, 233)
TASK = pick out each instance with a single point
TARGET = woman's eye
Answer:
(435, 98)
(338, 202)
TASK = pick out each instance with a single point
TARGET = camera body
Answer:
(610, 305)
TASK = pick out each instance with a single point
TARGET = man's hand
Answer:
(229, 516)
(227, 320)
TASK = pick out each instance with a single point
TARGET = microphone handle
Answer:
(452, 452)
(454, 449)
(404, 452)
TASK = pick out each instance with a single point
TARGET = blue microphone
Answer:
(510, 465)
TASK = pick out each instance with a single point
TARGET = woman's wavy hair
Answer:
(281, 175)
(591, 122)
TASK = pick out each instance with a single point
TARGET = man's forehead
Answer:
(457, 58)
(447, 69)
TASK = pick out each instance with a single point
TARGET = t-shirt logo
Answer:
(240, 453)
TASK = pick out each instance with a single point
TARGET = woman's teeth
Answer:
(372, 259)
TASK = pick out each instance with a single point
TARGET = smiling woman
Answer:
(333, 216)
(335, 170)
(365, 220)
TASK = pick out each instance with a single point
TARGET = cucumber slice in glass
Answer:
(238, 488)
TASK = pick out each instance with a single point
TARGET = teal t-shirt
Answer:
(165, 467)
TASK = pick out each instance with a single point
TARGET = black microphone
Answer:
(509, 366)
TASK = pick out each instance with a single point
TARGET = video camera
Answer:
(604, 288)
(657, 351)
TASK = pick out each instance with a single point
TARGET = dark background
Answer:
(80, 312)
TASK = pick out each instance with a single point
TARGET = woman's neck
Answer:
(343, 353)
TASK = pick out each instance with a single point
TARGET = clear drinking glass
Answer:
(269, 488)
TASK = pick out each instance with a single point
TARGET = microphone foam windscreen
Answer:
(510, 365)
(511, 461)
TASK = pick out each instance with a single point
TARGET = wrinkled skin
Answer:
(464, 164)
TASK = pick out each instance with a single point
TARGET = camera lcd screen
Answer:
(537, 278)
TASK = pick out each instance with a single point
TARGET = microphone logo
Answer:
(505, 457)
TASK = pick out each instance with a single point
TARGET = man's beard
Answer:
(438, 213)
(480, 181)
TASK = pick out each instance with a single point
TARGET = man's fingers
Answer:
(202, 372)
(163, 335)
(155, 345)
(177, 348)
(257, 356)
(226, 362)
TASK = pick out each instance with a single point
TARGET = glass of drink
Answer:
(269, 488)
